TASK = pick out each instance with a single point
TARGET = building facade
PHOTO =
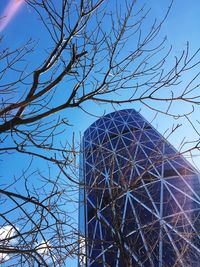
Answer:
(140, 202)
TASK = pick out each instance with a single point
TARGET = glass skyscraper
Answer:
(139, 199)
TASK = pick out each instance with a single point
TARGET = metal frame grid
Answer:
(143, 197)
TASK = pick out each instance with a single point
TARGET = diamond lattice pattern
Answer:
(142, 196)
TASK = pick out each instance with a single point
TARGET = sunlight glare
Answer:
(9, 13)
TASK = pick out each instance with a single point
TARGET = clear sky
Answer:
(182, 25)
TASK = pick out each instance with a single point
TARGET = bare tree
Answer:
(95, 51)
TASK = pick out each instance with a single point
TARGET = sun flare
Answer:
(9, 12)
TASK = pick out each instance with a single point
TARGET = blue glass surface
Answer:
(144, 195)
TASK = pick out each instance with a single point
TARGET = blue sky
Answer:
(182, 25)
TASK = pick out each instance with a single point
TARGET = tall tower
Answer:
(140, 205)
